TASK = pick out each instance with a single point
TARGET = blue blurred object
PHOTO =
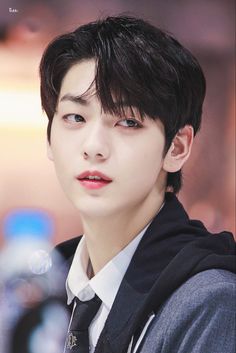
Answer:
(28, 223)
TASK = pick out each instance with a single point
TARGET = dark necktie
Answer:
(77, 340)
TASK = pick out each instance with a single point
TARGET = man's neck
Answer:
(106, 236)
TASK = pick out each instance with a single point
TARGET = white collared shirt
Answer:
(105, 283)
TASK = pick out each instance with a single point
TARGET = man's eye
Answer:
(129, 123)
(73, 118)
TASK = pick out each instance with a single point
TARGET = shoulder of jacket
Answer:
(215, 286)
(202, 307)
(208, 291)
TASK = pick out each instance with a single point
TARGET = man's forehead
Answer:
(82, 99)
(79, 79)
(79, 87)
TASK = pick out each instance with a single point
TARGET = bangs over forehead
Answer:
(137, 66)
(127, 74)
(118, 104)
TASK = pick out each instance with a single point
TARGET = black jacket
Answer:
(173, 249)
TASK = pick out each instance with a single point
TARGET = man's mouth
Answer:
(93, 179)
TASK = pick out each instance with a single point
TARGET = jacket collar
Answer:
(171, 251)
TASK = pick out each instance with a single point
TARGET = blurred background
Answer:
(31, 200)
(34, 213)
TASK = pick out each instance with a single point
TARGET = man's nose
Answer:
(96, 144)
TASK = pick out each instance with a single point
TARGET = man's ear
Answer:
(179, 150)
(49, 151)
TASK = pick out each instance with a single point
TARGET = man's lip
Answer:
(88, 173)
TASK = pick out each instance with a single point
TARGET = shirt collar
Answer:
(77, 279)
(107, 281)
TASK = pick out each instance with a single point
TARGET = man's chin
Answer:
(97, 207)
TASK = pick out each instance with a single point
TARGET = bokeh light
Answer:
(33, 316)
(24, 223)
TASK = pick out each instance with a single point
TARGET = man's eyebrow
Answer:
(75, 99)
(81, 99)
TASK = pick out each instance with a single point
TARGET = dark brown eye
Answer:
(130, 123)
(73, 118)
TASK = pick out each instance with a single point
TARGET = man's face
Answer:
(127, 151)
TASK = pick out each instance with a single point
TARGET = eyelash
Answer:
(138, 125)
(66, 118)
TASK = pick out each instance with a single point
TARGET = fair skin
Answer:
(127, 150)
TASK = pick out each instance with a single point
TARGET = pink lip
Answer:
(93, 184)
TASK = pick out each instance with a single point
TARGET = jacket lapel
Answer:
(120, 320)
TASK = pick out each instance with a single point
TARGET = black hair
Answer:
(136, 63)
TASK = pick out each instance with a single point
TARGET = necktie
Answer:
(77, 340)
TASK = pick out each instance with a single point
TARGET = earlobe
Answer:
(179, 150)
(49, 151)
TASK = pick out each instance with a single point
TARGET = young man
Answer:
(124, 101)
